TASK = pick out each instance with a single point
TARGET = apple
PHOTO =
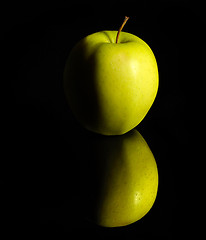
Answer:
(110, 81)
(119, 179)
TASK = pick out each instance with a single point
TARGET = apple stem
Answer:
(120, 29)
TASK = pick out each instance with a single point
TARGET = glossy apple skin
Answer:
(121, 179)
(110, 87)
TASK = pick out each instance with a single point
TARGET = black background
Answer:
(42, 183)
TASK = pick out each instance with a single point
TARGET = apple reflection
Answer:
(118, 178)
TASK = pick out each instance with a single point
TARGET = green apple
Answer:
(110, 81)
(123, 179)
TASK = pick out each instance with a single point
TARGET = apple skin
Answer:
(110, 87)
(119, 179)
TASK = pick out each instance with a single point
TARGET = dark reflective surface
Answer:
(44, 139)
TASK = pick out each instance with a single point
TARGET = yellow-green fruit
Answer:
(126, 180)
(110, 86)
